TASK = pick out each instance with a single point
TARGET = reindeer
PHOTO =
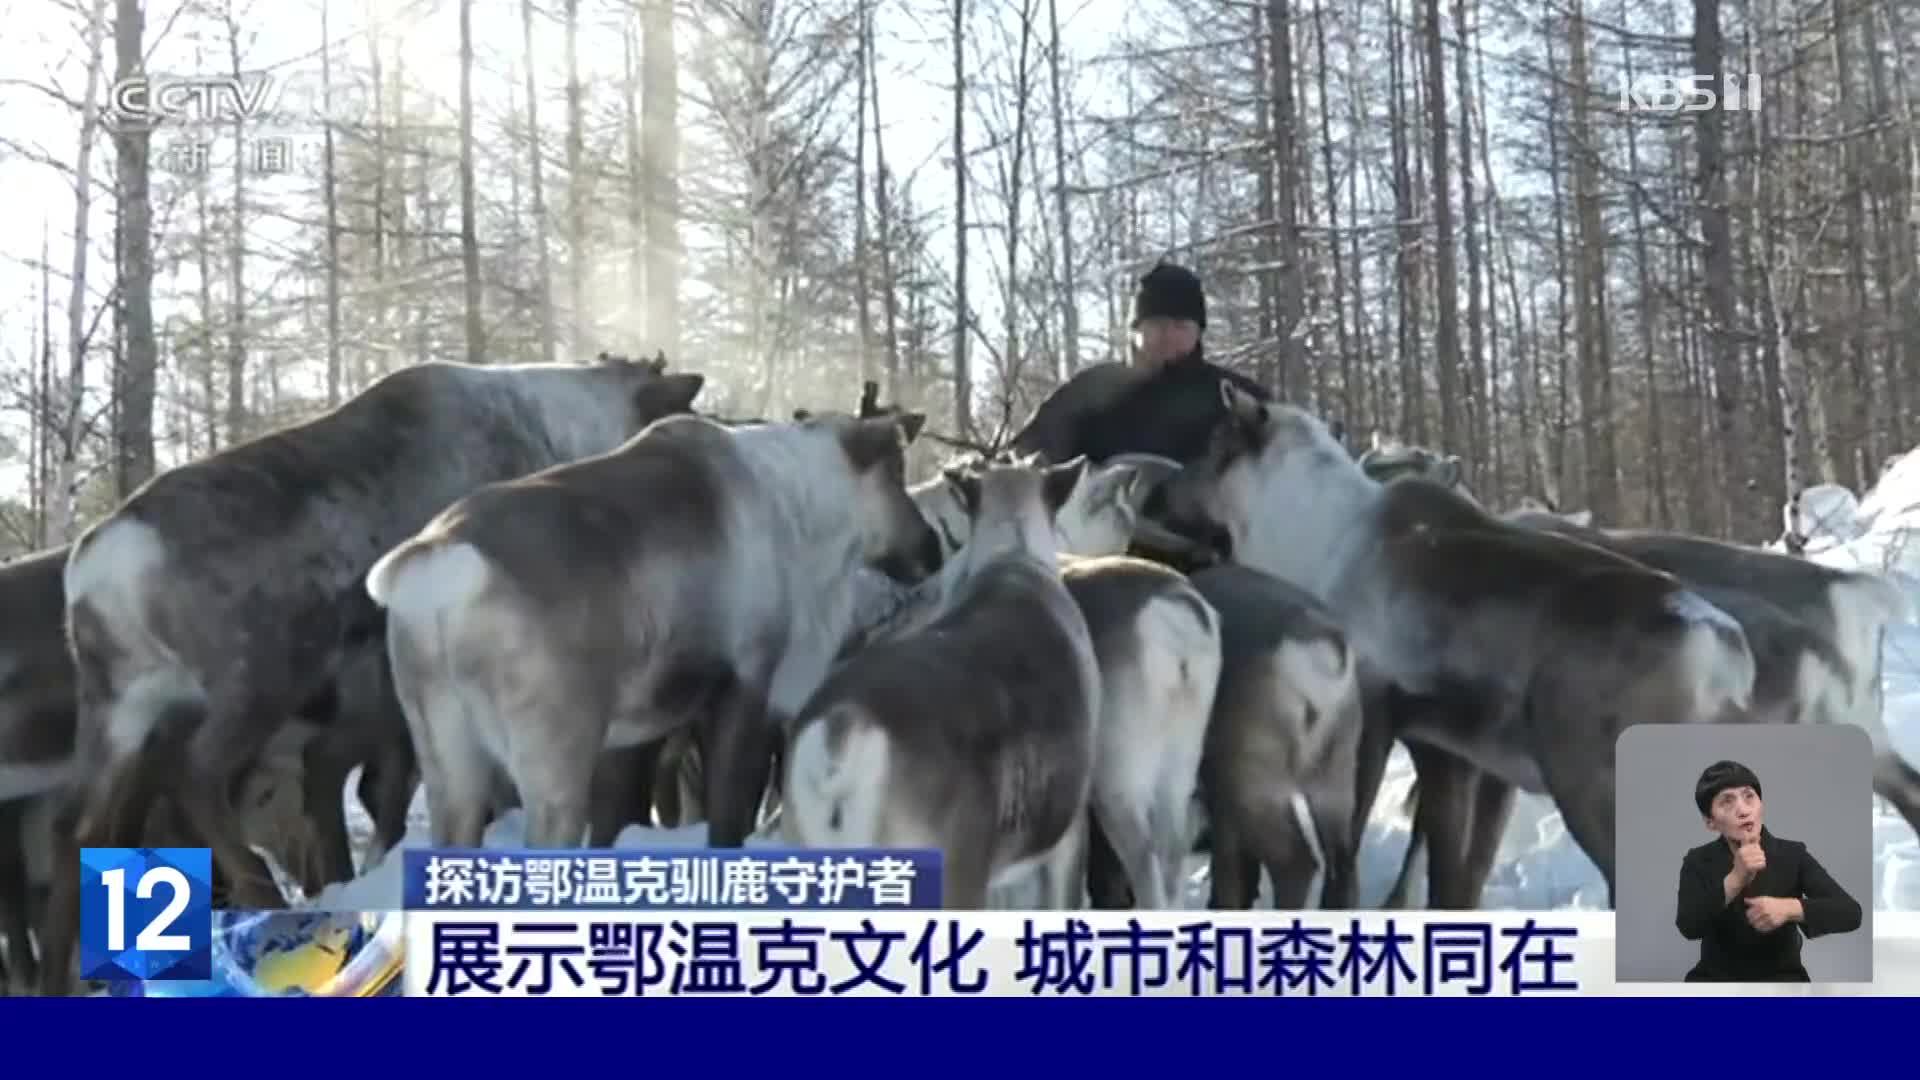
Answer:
(1801, 674)
(1815, 630)
(1279, 778)
(36, 737)
(695, 571)
(1158, 645)
(1816, 636)
(1833, 654)
(1545, 648)
(216, 600)
(37, 725)
(976, 733)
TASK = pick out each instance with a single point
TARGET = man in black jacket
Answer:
(1166, 402)
(1748, 896)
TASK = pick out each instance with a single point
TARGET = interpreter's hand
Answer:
(1749, 860)
(1769, 913)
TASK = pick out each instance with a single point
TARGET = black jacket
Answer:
(1731, 950)
(1113, 409)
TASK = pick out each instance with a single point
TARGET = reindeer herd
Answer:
(559, 587)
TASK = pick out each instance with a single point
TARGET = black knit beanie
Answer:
(1172, 292)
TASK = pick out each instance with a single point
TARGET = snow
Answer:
(1539, 867)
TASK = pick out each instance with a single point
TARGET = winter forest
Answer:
(1475, 225)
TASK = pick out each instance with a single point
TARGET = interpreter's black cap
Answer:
(1720, 776)
(1172, 292)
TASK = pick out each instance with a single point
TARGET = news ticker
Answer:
(766, 923)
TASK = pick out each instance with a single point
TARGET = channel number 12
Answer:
(154, 938)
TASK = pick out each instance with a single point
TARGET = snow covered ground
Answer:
(1540, 867)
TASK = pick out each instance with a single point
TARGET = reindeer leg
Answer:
(1064, 870)
(387, 782)
(964, 879)
(741, 738)
(16, 959)
(1370, 760)
(1281, 845)
(623, 783)
(1124, 824)
(60, 923)
(1444, 819)
(1234, 875)
(1899, 783)
(1333, 817)
(1579, 776)
(1107, 888)
(224, 748)
(1492, 809)
(325, 762)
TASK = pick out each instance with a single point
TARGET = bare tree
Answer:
(536, 181)
(962, 310)
(60, 507)
(469, 236)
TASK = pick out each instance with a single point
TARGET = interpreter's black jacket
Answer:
(1731, 950)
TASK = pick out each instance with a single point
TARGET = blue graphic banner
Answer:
(748, 880)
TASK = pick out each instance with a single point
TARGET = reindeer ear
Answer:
(870, 442)
(909, 426)
(967, 484)
(1582, 518)
(1058, 482)
(1248, 410)
(668, 395)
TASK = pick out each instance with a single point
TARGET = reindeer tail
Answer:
(425, 575)
(1321, 671)
(836, 780)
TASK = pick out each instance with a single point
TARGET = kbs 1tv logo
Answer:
(1689, 93)
(146, 914)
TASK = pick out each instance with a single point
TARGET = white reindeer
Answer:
(975, 734)
(697, 572)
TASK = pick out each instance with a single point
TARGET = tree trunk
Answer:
(578, 190)
(1447, 341)
(1590, 293)
(635, 312)
(140, 366)
(330, 193)
(962, 375)
(1481, 397)
(660, 126)
(1659, 512)
(883, 206)
(537, 191)
(1063, 208)
(862, 292)
(66, 472)
(1710, 181)
(469, 234)
(237, 421)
